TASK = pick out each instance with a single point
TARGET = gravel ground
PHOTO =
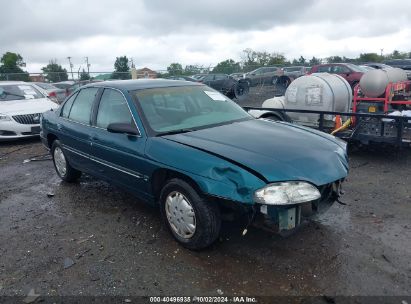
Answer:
(90, 238)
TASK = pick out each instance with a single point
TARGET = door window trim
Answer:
(97, 105)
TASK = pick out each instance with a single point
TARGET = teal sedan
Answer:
(196, 154)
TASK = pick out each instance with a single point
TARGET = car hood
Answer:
(26, 106)
(274, 151)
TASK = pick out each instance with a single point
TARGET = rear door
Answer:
(75, 125)
(121, 156)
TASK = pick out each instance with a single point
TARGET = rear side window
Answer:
(113, 108)
(220, 77)
(339, 69)
(81, 109)
(67, 106)
(324, 69)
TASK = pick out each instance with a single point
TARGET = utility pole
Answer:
(88, 67)
(71, 67)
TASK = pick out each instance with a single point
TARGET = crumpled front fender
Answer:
(214, 175)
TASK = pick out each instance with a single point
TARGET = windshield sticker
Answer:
(215, 96)
(29, 92)
(28, 96)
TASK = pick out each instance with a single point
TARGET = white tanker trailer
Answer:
(378, 105)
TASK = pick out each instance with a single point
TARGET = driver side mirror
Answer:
(124, 128)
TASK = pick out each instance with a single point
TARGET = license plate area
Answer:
(35, 130)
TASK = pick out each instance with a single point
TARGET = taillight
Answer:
(53, 97)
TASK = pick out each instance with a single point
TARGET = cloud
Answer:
(155, 33)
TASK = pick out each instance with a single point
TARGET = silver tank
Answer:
(319, 92)
(374, 82)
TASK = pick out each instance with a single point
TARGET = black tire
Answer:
(207, 215)
(70, 174)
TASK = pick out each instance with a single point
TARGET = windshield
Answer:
(18, 92)
(172, 109)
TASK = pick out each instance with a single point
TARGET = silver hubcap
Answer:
(60, 161)
(180, 215)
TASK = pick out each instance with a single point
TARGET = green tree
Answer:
(314, 61)
(84, 75)
(121, 68)
(54, 72)
(227, 67)
(253, 59)
(276, 58)
(397, 55)
(175, 69)
(192, 69)
(334, 59)
(369, 57)
(302, 60)
(10, 68)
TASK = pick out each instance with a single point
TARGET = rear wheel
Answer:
(193, 222)
(62, 166)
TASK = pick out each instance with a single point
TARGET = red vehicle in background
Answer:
(350, 72)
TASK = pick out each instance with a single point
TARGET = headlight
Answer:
(286, 193)
(4, 117)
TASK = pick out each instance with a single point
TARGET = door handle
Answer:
(94, 138)
(60, 127)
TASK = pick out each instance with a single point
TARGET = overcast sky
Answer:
(157, 32)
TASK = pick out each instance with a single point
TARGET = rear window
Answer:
(19, 92)
(46, 86)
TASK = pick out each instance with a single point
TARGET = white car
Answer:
(21, 106)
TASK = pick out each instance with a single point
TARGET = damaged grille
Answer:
(329, 194)
(28, 119)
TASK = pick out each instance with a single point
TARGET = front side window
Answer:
(81, 108)
(113, 108)
(186, 107)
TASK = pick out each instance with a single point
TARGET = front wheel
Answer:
(193, 222)
(62, 166)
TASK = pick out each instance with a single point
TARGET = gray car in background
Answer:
(53, 92)
(263, 75)
(404, 64)
(295, 71)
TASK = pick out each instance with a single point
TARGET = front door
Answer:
(121, 156)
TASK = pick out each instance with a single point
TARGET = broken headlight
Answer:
(286, 193)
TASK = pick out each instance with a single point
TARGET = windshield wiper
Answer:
(178, 131)
(9, 93)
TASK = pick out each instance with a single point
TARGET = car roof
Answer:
(139, 84)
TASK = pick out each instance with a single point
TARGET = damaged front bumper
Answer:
(287, 218)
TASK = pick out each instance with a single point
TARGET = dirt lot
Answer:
(90, 238)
